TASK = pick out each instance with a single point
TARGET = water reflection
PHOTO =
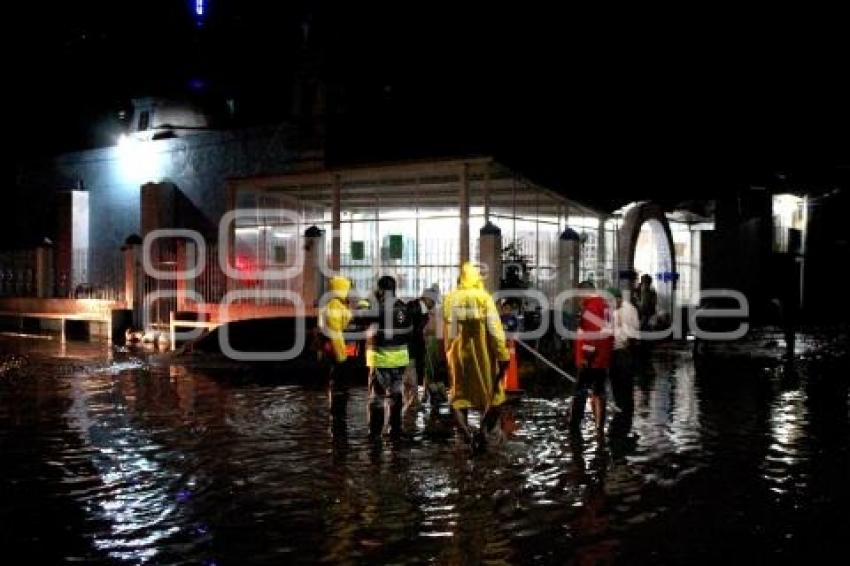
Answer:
(134, 488)
(169, 464)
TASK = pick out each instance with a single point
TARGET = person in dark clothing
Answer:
(647, 306)
(387, 357)
(419, 311)
(647, 302)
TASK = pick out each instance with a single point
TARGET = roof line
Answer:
(350, 174)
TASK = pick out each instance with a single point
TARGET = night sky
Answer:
(607, 105)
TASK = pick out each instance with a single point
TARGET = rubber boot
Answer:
(338, 410)
(491, 419)
(479, 442)
(462, 421)
(577, 411)
(376, 420)
(394, 407)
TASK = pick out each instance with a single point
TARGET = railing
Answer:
(17, 273)
(88, 274)
(160, 294)
(93, 273)
(212, 282)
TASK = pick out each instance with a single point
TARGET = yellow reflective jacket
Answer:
(475, 342)
(336, 315)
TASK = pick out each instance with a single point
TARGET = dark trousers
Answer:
(622, 378)
(338, 378)
(622, 386)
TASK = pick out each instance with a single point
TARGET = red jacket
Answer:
(596, 319)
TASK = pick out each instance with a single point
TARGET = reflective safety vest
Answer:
(387, 346)
(387, 357)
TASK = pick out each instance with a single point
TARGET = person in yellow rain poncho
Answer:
(333, 318)
(476, 352)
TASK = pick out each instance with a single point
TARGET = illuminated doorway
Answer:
(652, 256)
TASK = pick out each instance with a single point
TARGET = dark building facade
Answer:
(781, 246)
(89, 202)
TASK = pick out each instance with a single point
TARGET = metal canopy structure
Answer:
(415, 220)
(430, 183)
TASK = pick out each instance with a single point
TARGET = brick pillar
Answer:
(568, 259)
(463, 203)
(336, 213)
(314, 252)
(71, 249)
(44, 270)
(134, 278)
(490, 255)
(158, 206)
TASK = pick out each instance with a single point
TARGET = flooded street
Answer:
(110, 458)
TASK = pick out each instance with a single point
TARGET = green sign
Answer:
(396, 246)
(358, 251)
(280, 254)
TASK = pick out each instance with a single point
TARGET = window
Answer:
(280, 255)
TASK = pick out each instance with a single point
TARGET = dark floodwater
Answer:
(109, 459)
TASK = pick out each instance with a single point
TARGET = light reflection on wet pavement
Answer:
(107, 458)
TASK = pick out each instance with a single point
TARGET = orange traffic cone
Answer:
(512, 376)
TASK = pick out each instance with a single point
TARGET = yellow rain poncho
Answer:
(336, 315)
(475, 342)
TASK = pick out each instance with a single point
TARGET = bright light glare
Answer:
(138, 160)
(787, 207)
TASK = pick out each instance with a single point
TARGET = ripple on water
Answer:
(157, 464)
